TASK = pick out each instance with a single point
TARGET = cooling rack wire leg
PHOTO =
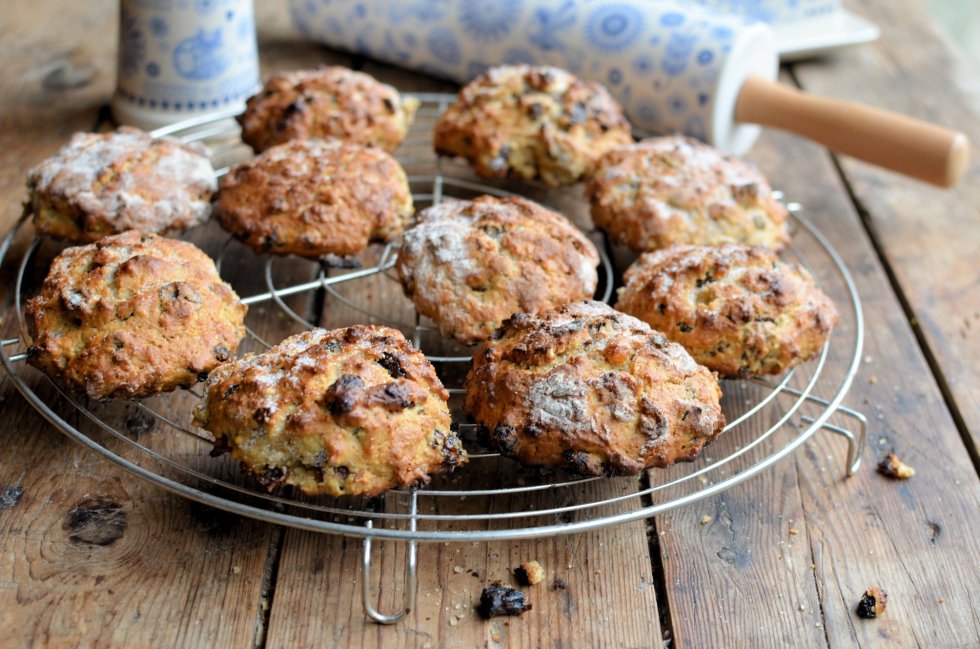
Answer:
(855, 443)
(410, 572)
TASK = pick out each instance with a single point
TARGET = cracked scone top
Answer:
(593, 390)
(532, 123)
(469, 265)
(133, 315)
(737, 309)
(315, 197)
(671, 190)
(101, 184)
(353, 411)
(327, 102)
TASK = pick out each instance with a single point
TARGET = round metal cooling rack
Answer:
(768, 419)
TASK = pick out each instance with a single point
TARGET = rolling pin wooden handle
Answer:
(908, 146)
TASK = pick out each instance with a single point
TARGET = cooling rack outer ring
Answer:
(830, 405)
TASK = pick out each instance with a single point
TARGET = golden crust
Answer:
(101, 184)
(327, 102)
(133, 315)
(470, 265)
(670, 190)
(351, 411)
(315, 197)
(532, 122)
(737, 309)
(593, 390)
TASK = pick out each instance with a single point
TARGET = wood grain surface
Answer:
(928, 238)
(93, 557)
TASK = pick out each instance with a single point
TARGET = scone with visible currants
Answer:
(327, 102)
(592, 390)
(670, 190)
(133, 315)
(315, 197)
(737, 309)
(469, 265)
(353, 411)
(100, 184)
(532, 123)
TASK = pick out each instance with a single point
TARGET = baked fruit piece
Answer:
(133, 315)
(469, 265)
(737, 309)
(101, 184)
(314, 198)
(532, 123)
(593, 390)
(351, 411)
(670, 190)
(327, 102)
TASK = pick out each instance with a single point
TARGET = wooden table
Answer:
(785, 556)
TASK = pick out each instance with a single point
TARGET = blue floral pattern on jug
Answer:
(661, 59)
(200, 56)
(177, 56)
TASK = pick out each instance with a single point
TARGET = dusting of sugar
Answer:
(558, 400)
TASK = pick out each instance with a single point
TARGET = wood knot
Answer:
(96, 521)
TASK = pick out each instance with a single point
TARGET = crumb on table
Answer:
(873, 603)
(893, 467)
(529, 573)
(502, 600)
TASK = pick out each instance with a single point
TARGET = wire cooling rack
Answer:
(154, 440)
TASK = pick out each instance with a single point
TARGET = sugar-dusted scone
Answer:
(315, 197)
(532, 123)
(469, 265)
(737, 309)
(353, 411)
(133, 315)
(101, 184)
(593, 390)
(327, 102)
(670, 190)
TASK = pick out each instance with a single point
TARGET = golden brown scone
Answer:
(133, 315)
(315, 197)
(101, 184)
(353, 411)
(669, 190)
(592, 390)
(532, 122)
(327, 102)
(469, 265)
(737, 309)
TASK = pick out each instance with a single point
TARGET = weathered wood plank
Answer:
(856, 532)
(929, 237)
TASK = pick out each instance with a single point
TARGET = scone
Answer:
(315, 197)
(670, 190)
(101, 184)
(532, 123)
(133, 315)
(469, 265)
(353, 411)
(328, 102)
(737, 309)
(593, 390)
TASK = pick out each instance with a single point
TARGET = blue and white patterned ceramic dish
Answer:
(776, 12)
(674, 68)
(183, 58)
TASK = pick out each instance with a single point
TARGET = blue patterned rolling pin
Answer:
(183, 58)
(673, 67)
